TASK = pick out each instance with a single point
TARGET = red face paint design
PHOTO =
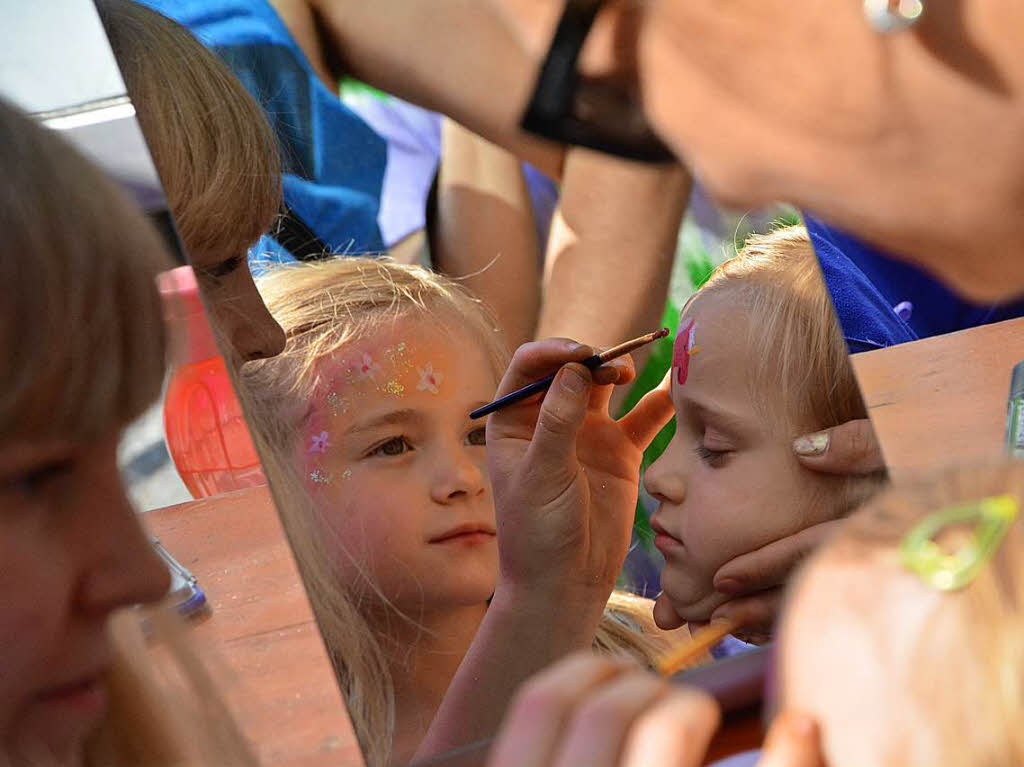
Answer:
(681, 351)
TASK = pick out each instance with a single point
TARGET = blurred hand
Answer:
(565, 473)
(598, 712)
(793, 741)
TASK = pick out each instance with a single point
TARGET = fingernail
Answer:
(815, 444)
(728, 586)
(572, 381)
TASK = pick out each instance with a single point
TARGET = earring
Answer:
(887, 16)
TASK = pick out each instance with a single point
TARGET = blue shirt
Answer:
(334, 163)
(881, 301)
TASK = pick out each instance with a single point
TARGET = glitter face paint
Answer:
(682, 350)
(386, 370)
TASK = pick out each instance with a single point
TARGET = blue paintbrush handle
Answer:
(528, 391)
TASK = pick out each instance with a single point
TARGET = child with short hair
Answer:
(921, 660)
(381, 479)
(758, 361)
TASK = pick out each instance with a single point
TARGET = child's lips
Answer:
(467, 533)
(664, 541)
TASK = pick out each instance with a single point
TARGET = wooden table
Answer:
(261, 627)
(942, 400)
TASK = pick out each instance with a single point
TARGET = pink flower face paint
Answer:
(430, 379)
(682, 350)
(367, 368)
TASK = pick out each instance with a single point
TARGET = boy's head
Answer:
(896, 671)
(759, 360)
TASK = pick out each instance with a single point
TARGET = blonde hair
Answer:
(216, 154)
(778, 276)
(323, 307)
(83, 337)
(973, 639)
(778, 279)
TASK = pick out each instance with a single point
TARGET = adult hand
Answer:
(756, 579)
(793, 741)
(565, 473)
(602, 713)
(851, 448)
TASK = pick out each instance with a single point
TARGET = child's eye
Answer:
(394, 446)
(477, 436)
(713, 458)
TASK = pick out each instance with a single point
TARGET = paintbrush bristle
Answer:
(682, 656)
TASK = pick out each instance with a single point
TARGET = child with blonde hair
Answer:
(758, 361)
(904, 636)
(381, 478)
(83, 342)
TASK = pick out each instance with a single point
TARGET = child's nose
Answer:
(457, 476)
(663, 480)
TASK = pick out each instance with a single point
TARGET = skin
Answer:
(940, 103)
(565, 480)
(756, 579)
(73, 551)
(408, 502)
(486, 237)
(728, 483)
(612, 244)
(237, 311)
(407, 468)
(589, 710)
(885, 617)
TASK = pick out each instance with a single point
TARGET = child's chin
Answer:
(692, 603)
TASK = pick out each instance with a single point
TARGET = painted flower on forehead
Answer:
(318, 443)
(430, 380)
(683, 349)
(367, 368)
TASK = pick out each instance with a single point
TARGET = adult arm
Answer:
(611, 249)
(565, 484)
(469, 59)
(486, 237)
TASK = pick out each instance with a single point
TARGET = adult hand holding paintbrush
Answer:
(565, 473)
(565, 479)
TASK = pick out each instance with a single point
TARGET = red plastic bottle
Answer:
(206, 433)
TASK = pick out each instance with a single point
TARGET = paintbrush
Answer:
(702, 640)
(590, 362)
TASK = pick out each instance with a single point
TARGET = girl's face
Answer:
(398, 469)
(728, 483)
(71, 552)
